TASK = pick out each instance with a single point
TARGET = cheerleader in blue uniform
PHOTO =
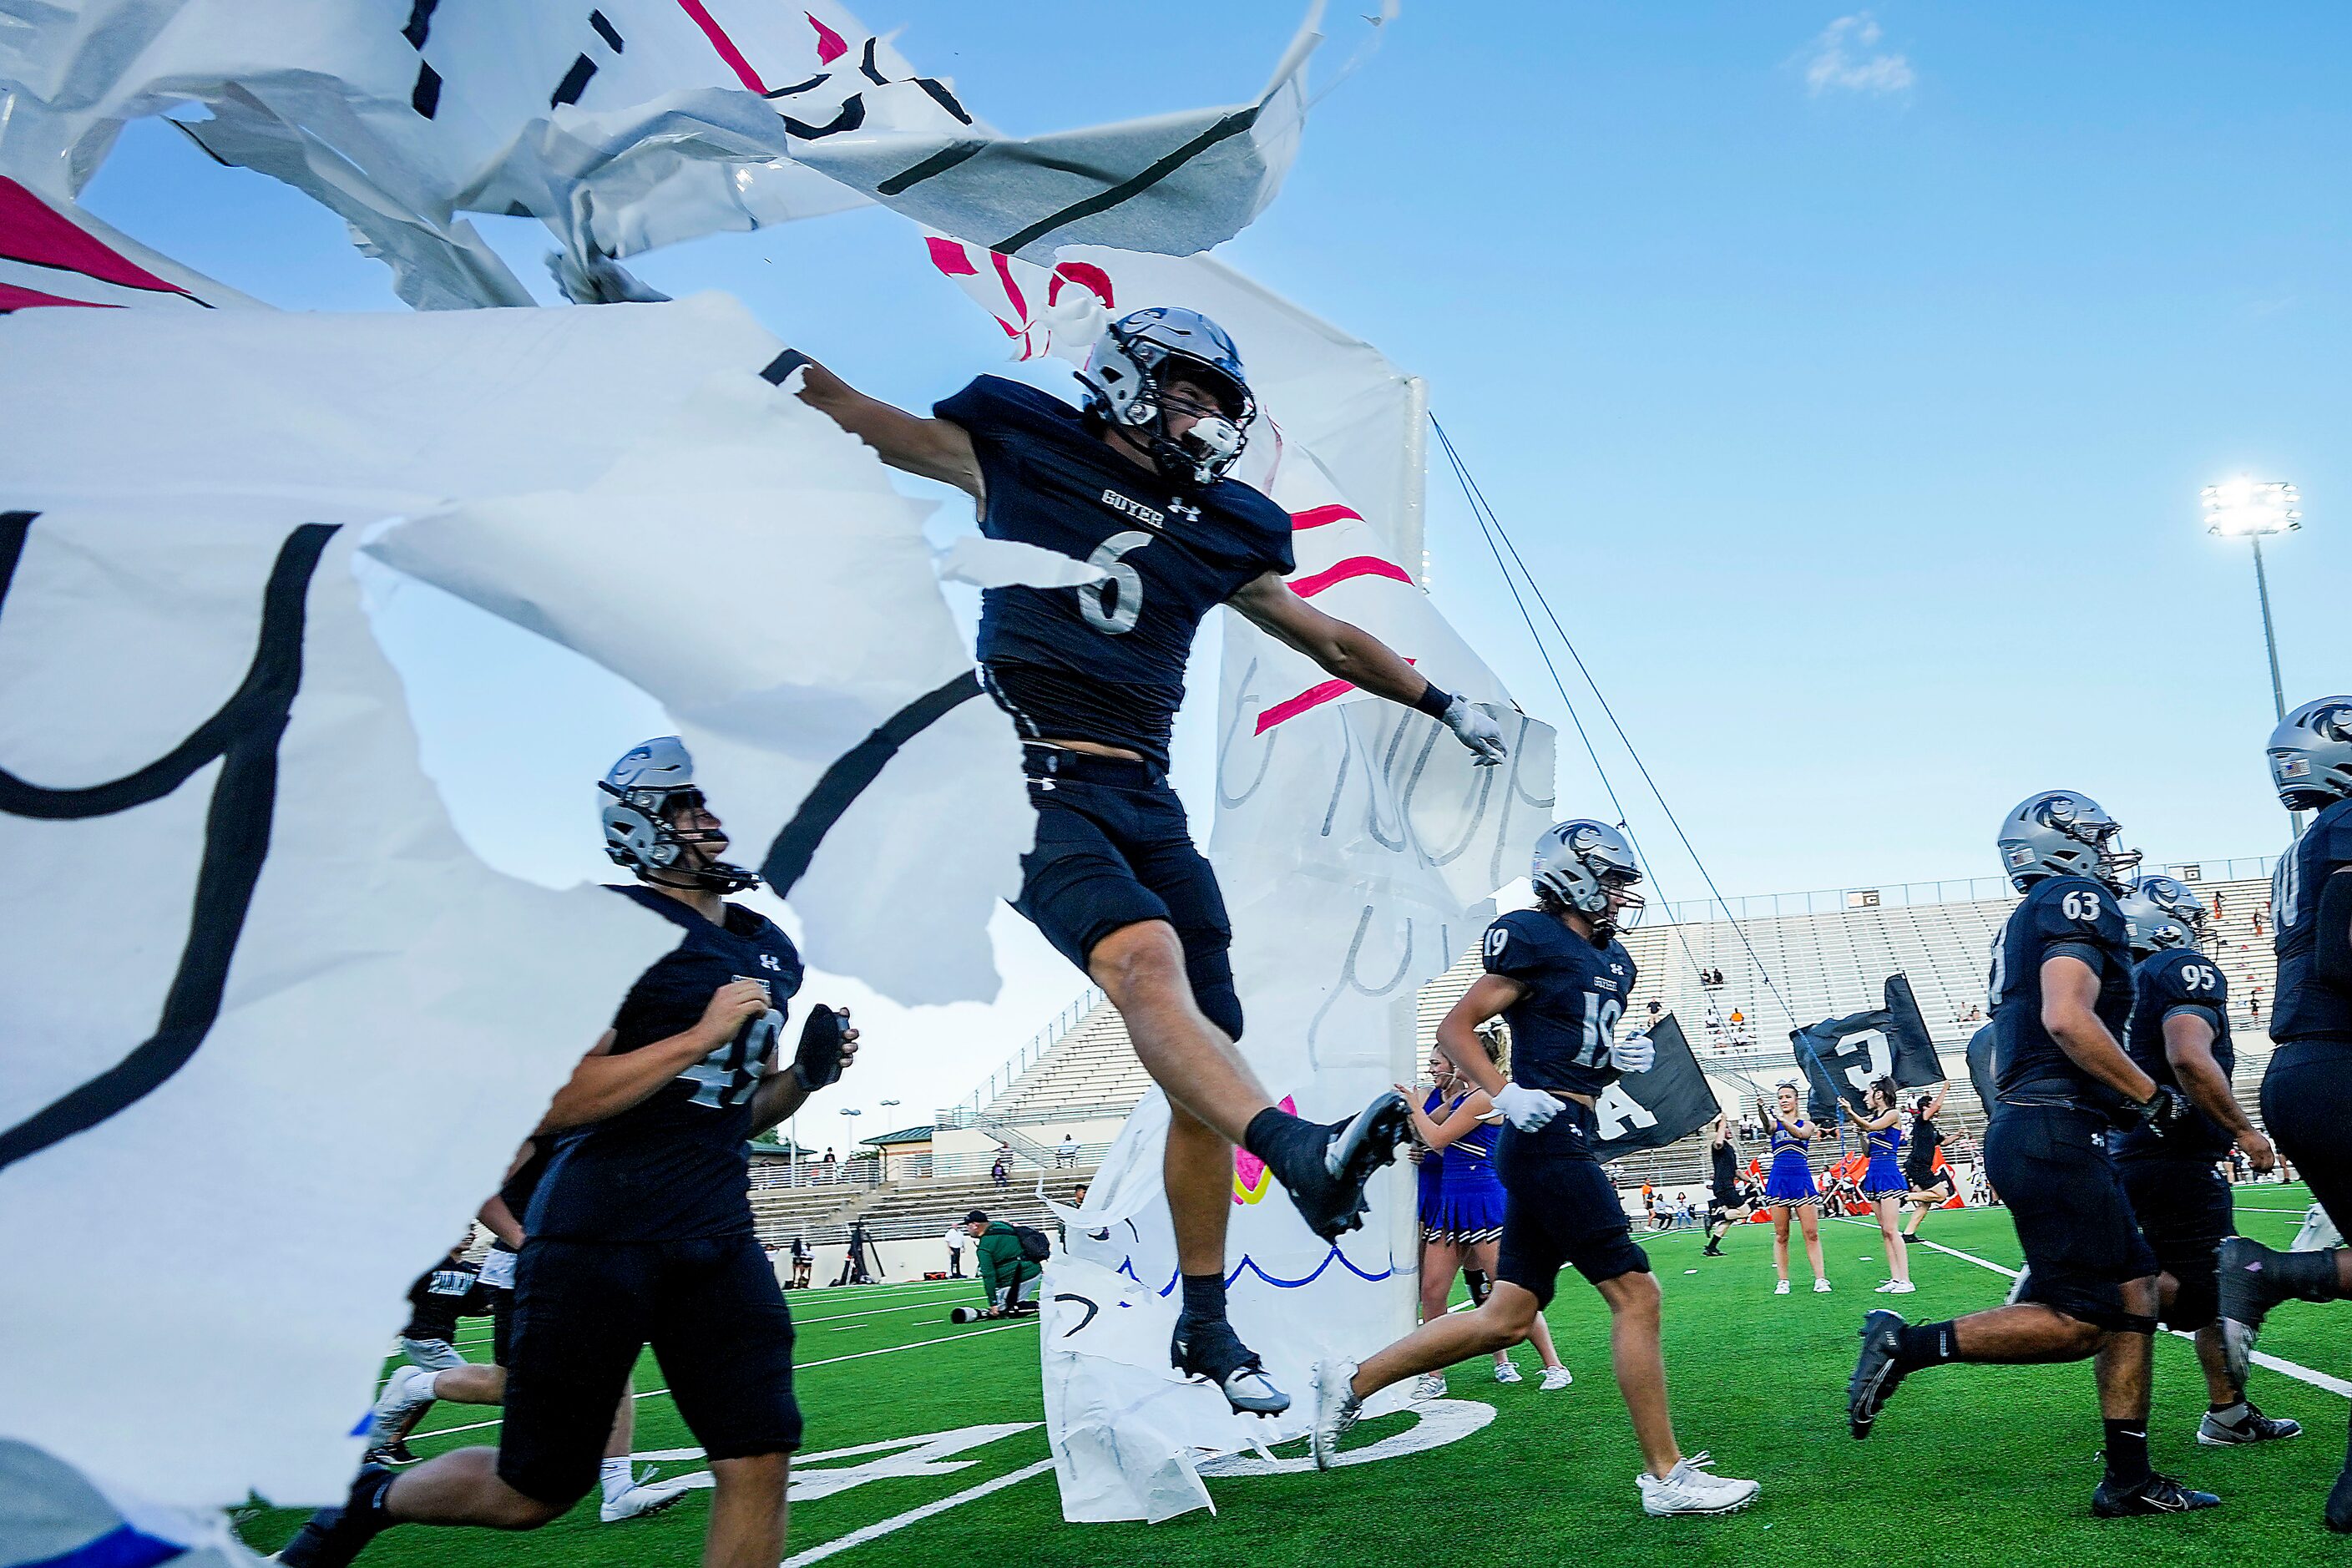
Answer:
(1462, 1208)
(1885, 1184)
(1789, 1185)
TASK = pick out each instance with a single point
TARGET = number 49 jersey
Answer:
(672, 1166)
(1562, 1027)
(1102, 661)
(2070, 916)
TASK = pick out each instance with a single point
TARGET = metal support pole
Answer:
(2270, 638)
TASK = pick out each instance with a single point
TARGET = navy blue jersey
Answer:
(2071, 917)
(673, 1167)
(517, 1190)
(2307, 1009)
(1102, 661)
(2181, 980)
(437, 1298)
(1564, 1024)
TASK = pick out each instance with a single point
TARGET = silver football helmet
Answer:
(2063, 832)
(640, 793)
(1126, 376)
(2161, 912)
(1588, 867)
(2311, 755)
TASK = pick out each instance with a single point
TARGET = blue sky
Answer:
(1847, 378)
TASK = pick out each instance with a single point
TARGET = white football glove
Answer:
(1634, 1053)
(1474, 729)
(1527, 1108)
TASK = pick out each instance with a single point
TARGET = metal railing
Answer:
(1952, 890)
(966, 1111)
(1018, 1171)
(842, 1177)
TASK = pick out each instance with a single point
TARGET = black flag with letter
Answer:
(1651, 1109)
(1842, 1058)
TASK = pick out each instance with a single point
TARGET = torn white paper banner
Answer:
(636, 124)
(260, 944)
(52, 253)
(807, 657)
(51, 1516)
(1355, 840)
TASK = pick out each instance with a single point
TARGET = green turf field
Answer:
(1968, 1466)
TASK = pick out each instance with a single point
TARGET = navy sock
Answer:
(1271, 1132)
(1925, 1344)
(2306, 1275)
(1204, 1296)
(2127, 1451)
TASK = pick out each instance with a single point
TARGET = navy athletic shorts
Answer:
(2307, 1108)
(2185, 1212)
(583, 1311)
(2051, 1167)
(1562, 1208)
(1113, 849)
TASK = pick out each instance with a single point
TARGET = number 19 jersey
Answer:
(1564, 1025)
(2070, 916)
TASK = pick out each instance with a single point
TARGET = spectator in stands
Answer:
(957, 1235)
(1078, 1195)
(2258, 924)
(1653, 1010)
(1005, 1273)
(1066, 1152)
(2217, 904)
(830, 1165)
(1000, 1172)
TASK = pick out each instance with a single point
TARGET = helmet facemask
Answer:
(1129, 378)
(644, 835)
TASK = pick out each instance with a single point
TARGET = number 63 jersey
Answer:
(1564, 1024)
(1102, 661)
(2069, 916)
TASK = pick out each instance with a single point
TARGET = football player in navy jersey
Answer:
(2307, 1087)
(1559, 975)
(1136, 484)
(2180, 1035)
(640, 1231)
(2061, 990)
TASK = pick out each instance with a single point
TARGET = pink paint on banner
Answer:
(1249, 1171)
(726, 45)
(1085, 275)
(1290, 707)
(1011, 289)
(830, 46)
(948, 258)
(15, 299)
(1318, 516)
(1354, 566)
(30, 231)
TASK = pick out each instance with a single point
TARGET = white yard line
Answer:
(915, 1515)
(2295, 1369)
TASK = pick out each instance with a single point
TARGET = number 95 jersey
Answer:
(1562, 1027)
(2069, 916)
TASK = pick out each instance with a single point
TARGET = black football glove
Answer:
(818, 1061)
(2164, 1110)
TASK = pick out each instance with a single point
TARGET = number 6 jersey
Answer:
(1562, 1027)
(1104, 662)
(2069, 916)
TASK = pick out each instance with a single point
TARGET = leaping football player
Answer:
(2061, 990)
(2307, 1087)
(1137, 483)
(1559, 975)
(2180, 1035)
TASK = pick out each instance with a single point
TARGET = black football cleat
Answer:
(333, 1537)
(2157, 1494)
(2339, 1504)
(1325, 1172)
(1875, 1371)
(1208, 1348)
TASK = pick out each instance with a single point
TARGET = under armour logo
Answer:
(769, 961)
(1184, 510)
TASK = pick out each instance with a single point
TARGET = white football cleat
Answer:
(1690, 1488)
(644, 1497)
(1821, 1287)
(1507, 1371)
(1427, 1386)
(1335, 1409)
(1556, 1378)
(1781, 1288)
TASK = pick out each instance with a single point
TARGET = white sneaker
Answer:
(1883, 1286)
(1821, 1287)
(1900, 1287)
(1781, 1288)
(1688, 1488)
(1507, 1371)
(644, 1497)
(1335, 1409)
(407, 1392)
(1427, 1386)
(1556, 1378)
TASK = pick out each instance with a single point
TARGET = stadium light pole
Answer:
(2254, 509)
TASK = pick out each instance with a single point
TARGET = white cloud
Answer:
(1846, 57)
